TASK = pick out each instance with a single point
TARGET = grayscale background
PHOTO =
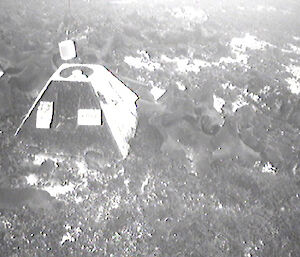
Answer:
(214, 167)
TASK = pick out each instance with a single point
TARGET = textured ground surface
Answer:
(214, 166)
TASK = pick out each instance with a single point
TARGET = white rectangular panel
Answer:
(89, 117)
(44, 115)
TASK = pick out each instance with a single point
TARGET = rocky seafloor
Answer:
(214, 167)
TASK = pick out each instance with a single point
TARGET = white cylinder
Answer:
(67, 50)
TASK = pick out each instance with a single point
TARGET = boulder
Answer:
(95, 160)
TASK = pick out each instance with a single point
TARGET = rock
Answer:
(250, 139)
(269, 168)
(208, 125)
(95, 160)
(180, 86)
(294, 117)
(229, 146)
(218, 103)
(14, 70)
(148, 140)
(17, 198)
(47, 167)
(157, 92)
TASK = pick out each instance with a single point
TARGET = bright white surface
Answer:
(57, 189)
(157, 92)
(32, 179)
(44, 115)
(89, 117)
(239, 103)
(143, 61)
(269, 168)
(78, 75)
(180, 86)
(191, 14)
(186, 64)
(67, 50)
(241, 44)
(294, 81)
(294, 85)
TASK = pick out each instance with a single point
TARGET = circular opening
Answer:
(69, 71)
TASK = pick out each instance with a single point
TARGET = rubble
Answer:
(269, 168)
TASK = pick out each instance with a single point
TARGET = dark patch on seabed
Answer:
(213, 169)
